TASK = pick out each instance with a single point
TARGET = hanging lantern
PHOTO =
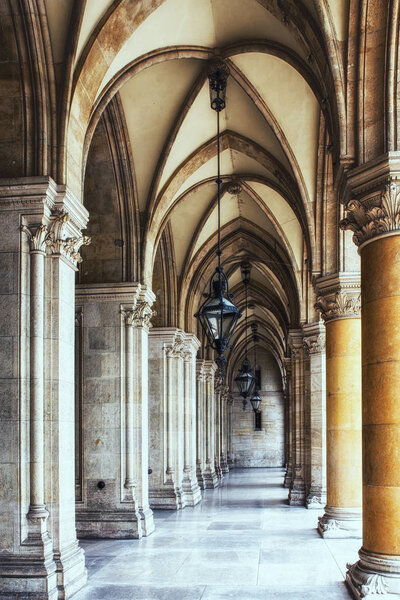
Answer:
(218, 315)
(255, 399)
(245, 378)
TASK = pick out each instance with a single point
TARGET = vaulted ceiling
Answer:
(279, 133)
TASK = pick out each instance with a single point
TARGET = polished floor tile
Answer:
(242, 542)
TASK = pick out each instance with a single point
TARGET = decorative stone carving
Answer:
(177, 350)
(142, 314)
(234, 188)
(366, 585)
(37, 238)
(66, 247)
(342, 306)
(377, 215)
(314, 344)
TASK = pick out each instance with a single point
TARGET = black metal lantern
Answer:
(218, 315)
(245, 378)
(255, 399)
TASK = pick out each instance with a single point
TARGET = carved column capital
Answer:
(36, 237)
(314, 344)
(142, 314)
(374, 214)
(59, 244)
(342, 305)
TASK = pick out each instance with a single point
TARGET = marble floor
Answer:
(241, 542)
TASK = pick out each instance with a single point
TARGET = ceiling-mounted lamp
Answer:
(218, 315)
(255, 399)
(245, 378)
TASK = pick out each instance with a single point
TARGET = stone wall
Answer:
(265, 448)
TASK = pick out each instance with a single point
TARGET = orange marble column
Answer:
(342, 517)
(376, 224)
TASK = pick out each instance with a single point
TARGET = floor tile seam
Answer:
(334, 558)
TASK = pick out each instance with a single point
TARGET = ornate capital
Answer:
(177, 350)
(67, 247)
(343, 305)
(314, 344)
(142, 314)
(37, 237)
(377, 214)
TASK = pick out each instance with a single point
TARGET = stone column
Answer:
(374, 216)
(200, 423)
(289, 423)
(39, 251)
(340, 309)
(229, 408)
(172, 418)
(210, 476)
(314, 343)
(190, 485)
(218, 388)
(141, 317)
(224, 425)
(115, 319)
(297, 492)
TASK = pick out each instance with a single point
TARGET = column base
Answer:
(169, 497)
(113, 524)
(287, 482)
(340, 523)
(316, 499)
(33, 573)
(224, 465)
(200, 477)
(147, 521)
(218, 471)
(71, 570)
(297, 493)
(230, 460)
(27, 577)
(374, 574)
(191, 491)
(210, 478)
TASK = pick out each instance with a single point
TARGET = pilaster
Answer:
(114, 428)
(314, 344)
(297, 491)
(200, 422)
(210, 476)
(190, 484)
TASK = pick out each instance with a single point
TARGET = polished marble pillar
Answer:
(375, 220)
(340, 309)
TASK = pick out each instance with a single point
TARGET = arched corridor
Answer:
(243, 541)
(199, 275)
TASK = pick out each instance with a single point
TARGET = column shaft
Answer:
(343, 405)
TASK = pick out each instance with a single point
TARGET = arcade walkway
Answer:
(242, 542)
